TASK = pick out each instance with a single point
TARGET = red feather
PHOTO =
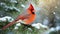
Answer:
(28, 18)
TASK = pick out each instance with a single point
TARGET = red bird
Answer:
(27, 18)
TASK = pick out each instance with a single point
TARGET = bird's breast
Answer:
(30, 19)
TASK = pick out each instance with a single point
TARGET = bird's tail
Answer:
(10, 24)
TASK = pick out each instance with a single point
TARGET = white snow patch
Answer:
(16, 27)
(21, 21)
(54, 13)
(14, 1)
(52, 29)
(2, 3)
(7, 7)
(39, 25)
(22, 5)
(57, 28)
(18, 24)
(16, 9)
(36, 25)
(2, 19)
(10, 19)
(30, 29)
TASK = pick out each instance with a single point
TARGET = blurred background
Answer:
(47, 13)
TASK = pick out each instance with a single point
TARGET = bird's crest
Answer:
(31, 7)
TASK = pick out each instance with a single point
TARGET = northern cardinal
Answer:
(27, 18)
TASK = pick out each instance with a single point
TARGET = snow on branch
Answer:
(36, 25)
(39, 25)
(4, 19)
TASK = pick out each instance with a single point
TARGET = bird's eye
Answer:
(33, 13)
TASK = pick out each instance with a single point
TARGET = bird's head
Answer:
(31, 8)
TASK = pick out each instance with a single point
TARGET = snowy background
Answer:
(47, 16)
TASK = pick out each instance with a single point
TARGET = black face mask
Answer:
(32, 12)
